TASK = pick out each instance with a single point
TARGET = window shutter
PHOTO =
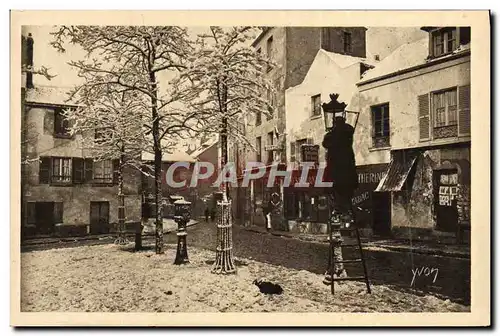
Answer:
(78, 170)
(89, 170)
(292, 152)
(44, 174)
(424, 117)
(464, 110)
(58, 212)
(116, 168)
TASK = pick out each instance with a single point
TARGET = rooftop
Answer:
(407, 57)
(49, 95)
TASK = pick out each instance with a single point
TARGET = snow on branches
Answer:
(228, 81)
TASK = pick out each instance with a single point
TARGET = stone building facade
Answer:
(415, 107)
(64, 189)
(292, 50)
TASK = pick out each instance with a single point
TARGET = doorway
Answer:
(381, 207)
(99, 217)
(445, 191)
(44, 216)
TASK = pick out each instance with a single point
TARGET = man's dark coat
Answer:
(340, 161)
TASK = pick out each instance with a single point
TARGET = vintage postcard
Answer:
(221, 168)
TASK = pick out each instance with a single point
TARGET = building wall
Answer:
(302, 45)
(210, 155)
(414, 207)
(76, 198)
(324, 78)
(401, 92)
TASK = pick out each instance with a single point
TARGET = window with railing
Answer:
(61, 170)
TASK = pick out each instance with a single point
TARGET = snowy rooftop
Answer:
(50, 95)
(176, 156)
(406, 56)
(204, 147)
(344, 61)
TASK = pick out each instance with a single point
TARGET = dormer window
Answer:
(447, 39)
(444, 41)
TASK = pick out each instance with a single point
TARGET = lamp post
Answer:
(336, 141)
(182, 215)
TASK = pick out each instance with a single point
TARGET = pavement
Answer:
(169, 226)
(393, 244)
(418, 269)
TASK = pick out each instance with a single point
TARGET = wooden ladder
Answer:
(361, 259)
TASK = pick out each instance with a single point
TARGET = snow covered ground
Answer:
(108, 278)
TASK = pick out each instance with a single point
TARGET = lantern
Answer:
(331, 110)
(335, 109)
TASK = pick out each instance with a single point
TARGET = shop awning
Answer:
(397, 172)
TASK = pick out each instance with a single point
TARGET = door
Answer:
(44, 214)
(381, 209)
(99, 217)
(445, 182)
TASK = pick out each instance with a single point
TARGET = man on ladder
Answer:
(341, 170)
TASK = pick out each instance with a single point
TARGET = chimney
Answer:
(29, 61)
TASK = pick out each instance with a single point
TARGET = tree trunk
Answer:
(157, 167)
(224, 263)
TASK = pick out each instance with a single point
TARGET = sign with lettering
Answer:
(371, 174)
(310, 153)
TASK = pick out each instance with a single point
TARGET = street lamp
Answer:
(182, 215)
(338, 146)
(334, 109)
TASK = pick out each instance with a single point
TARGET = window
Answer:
(444, 41)
(445, 108)
(61, 170)
(259, 51)
(298, 146)
(61, 123)
(258, 118)
(270, 142)
(316, 105)
(103, 171)
(347, 42)
(381, 125)
(101, 133)
(259, 149)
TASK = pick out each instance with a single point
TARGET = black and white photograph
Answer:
(172, 166)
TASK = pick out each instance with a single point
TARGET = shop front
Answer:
(307, 208)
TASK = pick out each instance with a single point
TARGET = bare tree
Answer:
(134, 58)
(228, 78)
(109, 120)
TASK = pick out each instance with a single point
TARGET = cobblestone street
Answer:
(385, 267)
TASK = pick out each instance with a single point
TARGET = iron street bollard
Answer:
(182, 216)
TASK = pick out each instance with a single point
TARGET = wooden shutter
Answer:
(78, 170)
(89, 170)
(45, 168)
(424, 117)
(116, 170)
(58, 212)
(464, 110)
(292, 151)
